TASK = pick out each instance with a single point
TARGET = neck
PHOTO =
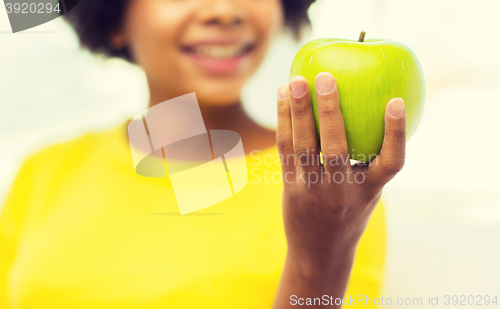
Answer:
(228, 117)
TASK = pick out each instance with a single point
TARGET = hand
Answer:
(326, 207)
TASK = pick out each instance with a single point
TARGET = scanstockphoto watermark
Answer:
(430, 300)
(26, 14)
(357, 300)
(261, 169)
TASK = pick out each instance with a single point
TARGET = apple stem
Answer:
(362, 36)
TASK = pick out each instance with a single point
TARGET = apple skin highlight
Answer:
(368, 75)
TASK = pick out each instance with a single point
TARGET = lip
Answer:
(216, 40)
(216, 66)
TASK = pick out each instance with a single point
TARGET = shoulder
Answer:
(50, 156)
(52, 166)
(63, 156)
(47, 172)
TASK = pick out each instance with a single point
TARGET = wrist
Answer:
(318, 265)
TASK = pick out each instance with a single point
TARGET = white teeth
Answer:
(220, 51)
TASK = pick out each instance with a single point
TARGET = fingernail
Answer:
(283, 92)
(298, 87)
(325, 83)
(397, 109)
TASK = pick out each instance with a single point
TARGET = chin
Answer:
(218, 94)
(214, 98)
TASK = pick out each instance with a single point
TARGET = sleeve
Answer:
(12, 213)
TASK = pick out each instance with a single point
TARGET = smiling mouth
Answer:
(217, 51)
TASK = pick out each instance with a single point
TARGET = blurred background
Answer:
(443, 209)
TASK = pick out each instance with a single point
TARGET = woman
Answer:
(81, 229)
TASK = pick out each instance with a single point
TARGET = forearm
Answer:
(309, 276)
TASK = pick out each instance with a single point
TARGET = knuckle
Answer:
(398, 134)
(394, 166)
(328, 111)
(283, 109)
(283, 144)
(305, 156)
(300, 109)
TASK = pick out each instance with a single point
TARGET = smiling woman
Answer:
(198, 40)
(95, 20)
(81, 229)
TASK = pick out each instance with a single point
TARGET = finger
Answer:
(392, 156)
(284, 135)
(331, 124)
(305, 140)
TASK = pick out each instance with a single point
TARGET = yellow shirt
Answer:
(81, 229)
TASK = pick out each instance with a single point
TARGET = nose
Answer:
(222, 13)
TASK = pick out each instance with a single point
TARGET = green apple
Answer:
(368, 73)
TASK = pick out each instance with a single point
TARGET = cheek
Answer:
(268, 17)
(152, 30)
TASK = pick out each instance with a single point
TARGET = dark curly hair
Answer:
(95, 20)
